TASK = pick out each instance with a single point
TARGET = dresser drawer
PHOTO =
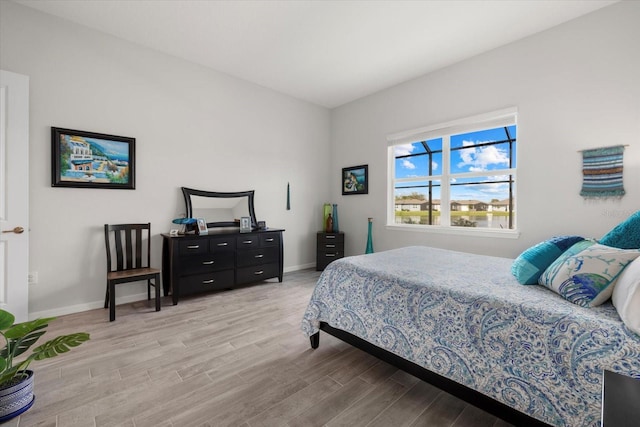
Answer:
(248, 241)
(206, 282)
(256, 273)
(228, 243)
(193, 246)
(257, 256)
(207, 262)
(270, 239)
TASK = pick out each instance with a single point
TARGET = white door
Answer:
(14, 194)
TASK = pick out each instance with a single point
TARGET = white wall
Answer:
(193, 127)
(576, 86)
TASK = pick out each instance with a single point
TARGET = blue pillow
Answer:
(625, 235)
(530, 264)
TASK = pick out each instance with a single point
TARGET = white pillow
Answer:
(626, 296)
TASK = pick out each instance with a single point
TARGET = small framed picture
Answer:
(201, 226)
(355, 180)
(245, 224)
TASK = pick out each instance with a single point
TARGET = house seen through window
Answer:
(459, 174)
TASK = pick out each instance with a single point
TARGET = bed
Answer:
(463, 322)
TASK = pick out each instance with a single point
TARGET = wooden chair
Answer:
(130, 265)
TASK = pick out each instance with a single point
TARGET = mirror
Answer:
(220, 209)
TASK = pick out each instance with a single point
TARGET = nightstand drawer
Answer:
(331, 238)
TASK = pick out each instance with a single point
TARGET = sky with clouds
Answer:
(472, 158)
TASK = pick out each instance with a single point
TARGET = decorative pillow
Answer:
(586, 273)
(626, 296)
(625, 235)
(531, 263)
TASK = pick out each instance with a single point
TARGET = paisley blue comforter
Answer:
(465, 317)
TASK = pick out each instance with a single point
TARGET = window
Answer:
(454, 175)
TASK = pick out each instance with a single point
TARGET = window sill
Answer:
(457, 231)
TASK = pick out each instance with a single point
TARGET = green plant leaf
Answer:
(59, 345)
(8, 374)
(22, 329)
(6, 320)
(19, 346)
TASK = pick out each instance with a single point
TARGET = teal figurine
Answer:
(335, 219)
(369, 249)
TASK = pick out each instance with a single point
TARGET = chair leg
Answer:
(148, 289)
(157, 286)
(112, 302)
(106, 296)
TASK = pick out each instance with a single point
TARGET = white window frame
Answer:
(500, 118)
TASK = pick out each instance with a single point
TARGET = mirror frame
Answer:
(188, 192)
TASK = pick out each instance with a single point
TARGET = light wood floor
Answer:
(230, 358)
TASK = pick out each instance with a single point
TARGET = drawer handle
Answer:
(257, 273)
(223, 244)
(193, 246)
(207, 282)
(269, 239)
(207, 262)
(248, 242)
(329, 246)
(330, 237)
(258, 256)
(330, 255)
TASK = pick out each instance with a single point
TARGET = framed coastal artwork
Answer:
(92, 160)
(355, 180)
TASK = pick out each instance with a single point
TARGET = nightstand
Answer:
(620, 400)
(330, 247)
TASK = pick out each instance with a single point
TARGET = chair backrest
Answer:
(131, 246)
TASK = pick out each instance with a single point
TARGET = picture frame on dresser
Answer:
(245, 224)
(201, 227)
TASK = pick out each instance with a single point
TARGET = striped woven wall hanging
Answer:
(602, 172)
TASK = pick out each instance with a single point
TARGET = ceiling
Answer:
(325, 52)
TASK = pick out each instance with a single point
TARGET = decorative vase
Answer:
(325, 216)
(329, 225)
(335, 218)
(16, 398)
(369, 249)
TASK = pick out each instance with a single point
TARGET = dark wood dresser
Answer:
(330, 247)
(219, 260)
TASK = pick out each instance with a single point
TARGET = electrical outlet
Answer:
(32, 277)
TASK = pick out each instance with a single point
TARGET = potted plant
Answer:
(16, 382)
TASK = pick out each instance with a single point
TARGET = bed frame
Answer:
(467, 394)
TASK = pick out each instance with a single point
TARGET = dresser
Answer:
(329, 247)
(222, 259)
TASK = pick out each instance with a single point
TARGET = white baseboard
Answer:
(300, 267)
(70, 309)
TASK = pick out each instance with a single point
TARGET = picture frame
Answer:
(355, 180)
(84, 159)
(245, 224)
(201, 227)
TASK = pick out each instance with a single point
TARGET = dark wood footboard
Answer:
(467, 394)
